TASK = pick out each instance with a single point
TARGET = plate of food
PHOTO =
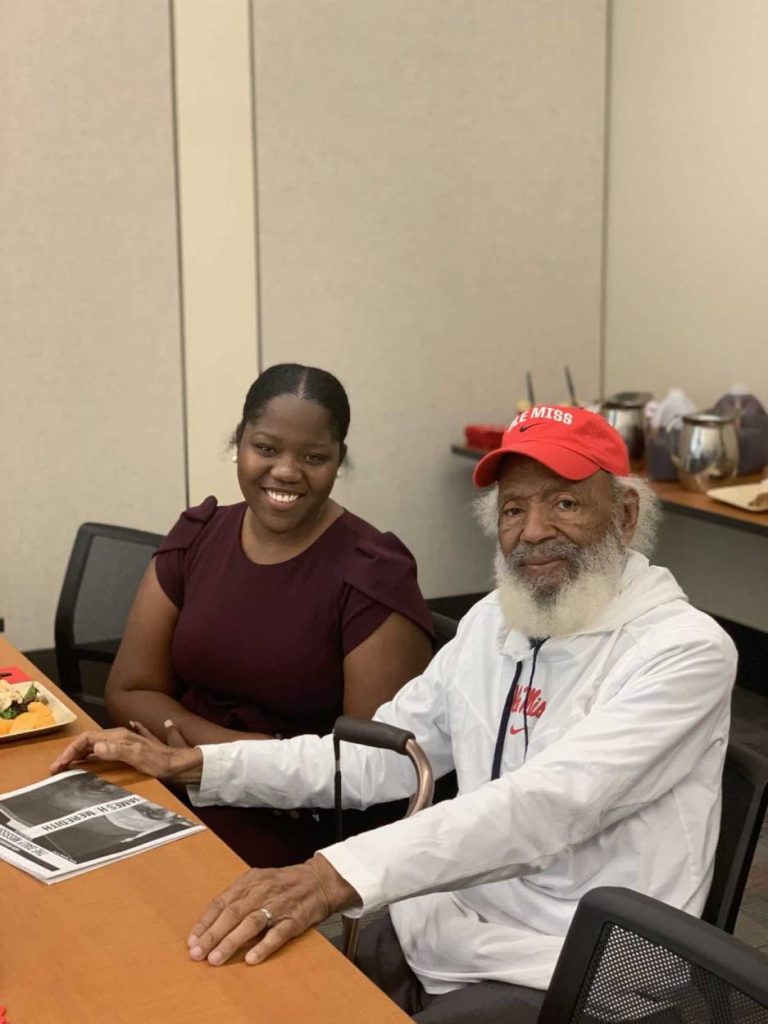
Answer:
(749, 497)
(28, 709)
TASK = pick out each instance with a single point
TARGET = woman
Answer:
(271, 617)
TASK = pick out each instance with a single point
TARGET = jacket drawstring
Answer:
(536, 645)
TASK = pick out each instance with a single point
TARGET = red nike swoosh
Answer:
(514, 732)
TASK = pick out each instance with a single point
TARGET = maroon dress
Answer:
(260, 648)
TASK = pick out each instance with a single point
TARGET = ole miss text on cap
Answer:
(574, 443)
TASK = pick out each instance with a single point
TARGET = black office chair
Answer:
(629, 959)
(745, 798)
(103, 574)
(445, 628)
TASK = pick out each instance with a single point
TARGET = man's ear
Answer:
(630, 508)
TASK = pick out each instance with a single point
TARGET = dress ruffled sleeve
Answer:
(169, 557)
(380, 579)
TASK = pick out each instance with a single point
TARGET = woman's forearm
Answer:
(153, 709)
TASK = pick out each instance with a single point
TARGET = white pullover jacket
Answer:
(626, 726)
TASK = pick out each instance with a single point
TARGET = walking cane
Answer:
(378, 734)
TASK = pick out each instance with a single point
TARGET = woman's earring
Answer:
(234, 458)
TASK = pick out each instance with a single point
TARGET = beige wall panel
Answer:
(218, 231)
(430, 197)
(687, 303)
(90, 417)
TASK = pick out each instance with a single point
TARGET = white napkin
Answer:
(667, 413)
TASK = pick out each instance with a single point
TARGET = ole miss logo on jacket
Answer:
(527, 704)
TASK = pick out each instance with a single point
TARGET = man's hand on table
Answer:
(294, 898)
(140, 749)
(272, 905)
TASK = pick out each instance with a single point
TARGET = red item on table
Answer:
(14, 674)
(483, 436)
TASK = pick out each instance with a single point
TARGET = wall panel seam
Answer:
(605, 197)
(256, 209)
(179, 254)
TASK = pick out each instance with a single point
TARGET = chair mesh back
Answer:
(113, 571)
(632, 980)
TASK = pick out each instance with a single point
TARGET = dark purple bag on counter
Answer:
(751, 429)
(658, 461)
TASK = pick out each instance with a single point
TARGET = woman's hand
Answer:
(141, 750)
(276, 904)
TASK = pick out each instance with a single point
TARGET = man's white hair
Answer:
(648, 514)
(648, 511)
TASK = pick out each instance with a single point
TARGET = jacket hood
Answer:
(643, 587)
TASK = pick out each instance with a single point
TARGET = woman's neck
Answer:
(267, 547)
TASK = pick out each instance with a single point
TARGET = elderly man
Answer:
(585, 707)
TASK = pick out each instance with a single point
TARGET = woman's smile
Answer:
(283, 498)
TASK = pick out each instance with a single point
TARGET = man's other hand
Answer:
(273, 906)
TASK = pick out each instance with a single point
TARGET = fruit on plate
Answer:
(40, 718)
(22, 709)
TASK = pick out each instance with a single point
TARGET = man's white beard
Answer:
(595, 577)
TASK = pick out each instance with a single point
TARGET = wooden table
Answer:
(109, 946)
(675, 498)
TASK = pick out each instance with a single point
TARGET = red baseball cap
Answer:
(574, 443)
